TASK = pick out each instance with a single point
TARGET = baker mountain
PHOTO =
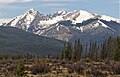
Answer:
(68, 26)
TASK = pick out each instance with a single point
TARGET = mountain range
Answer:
(67, 26)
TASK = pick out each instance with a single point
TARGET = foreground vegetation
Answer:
(44, 67)
(78, 60)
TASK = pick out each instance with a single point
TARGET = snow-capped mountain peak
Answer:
(62, 12)
(24, 21)
(65, 25)
(32, 11)
(83, 15)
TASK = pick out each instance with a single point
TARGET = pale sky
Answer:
(12, 8)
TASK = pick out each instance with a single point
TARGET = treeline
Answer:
(110, 49)
(23, 56)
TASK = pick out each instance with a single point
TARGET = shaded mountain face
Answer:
(68, 26)
(15, 41)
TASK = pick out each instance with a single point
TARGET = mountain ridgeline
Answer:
(68, 26)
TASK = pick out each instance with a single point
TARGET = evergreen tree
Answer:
(70, 51)
(85, 51)
(90, 50)
(62, 55)
(67, 52)
(78, 48)
(94, 51)
(117, 51)
(110, 47)
(104, 51)
(20, 69)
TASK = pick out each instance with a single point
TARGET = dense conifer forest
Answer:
(110, 49)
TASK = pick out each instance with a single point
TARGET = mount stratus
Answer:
(68, 26)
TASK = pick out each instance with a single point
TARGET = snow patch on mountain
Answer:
(102, 24)
(92, 26)
(61, 12)
(3, 21)
(84, 15)
(51, 21)
(108, 18)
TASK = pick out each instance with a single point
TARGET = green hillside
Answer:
(15, 41)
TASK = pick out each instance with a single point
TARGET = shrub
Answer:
(79, 69)
(97, 73)
(70, 68)
(116, 68)
(88, 60)
(12, 67)
(39, 68)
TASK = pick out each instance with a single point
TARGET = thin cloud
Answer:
(12, 1)
(53, 4)
(116, 2)
(25, 0)
(11, 8)
(7, 1)
(59, 9)
(57, 0)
